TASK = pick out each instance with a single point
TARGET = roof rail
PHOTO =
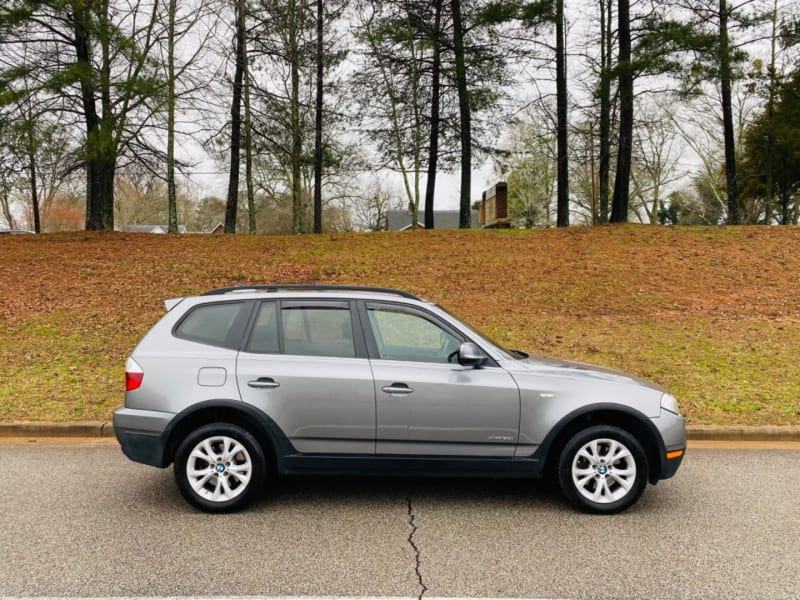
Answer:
(302, 287)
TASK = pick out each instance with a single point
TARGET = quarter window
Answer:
(212, 324)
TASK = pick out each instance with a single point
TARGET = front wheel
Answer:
(219, 467)
(603, 469)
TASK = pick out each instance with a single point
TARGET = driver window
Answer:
(411, 337)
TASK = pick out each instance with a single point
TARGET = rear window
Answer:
(215, 324)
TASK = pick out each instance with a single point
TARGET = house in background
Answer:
(149, 228)
(400, 220)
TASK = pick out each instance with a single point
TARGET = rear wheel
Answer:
(603, 469)
(219, 467)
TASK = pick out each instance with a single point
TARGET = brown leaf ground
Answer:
(713, 314)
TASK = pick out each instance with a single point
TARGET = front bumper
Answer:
(671, 461)
(673, 432)
(139, 432)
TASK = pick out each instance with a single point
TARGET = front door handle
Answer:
(397, 388)
(263, 383)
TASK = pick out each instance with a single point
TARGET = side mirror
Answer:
(469, 355)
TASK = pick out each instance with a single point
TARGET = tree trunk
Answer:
(605, 108)
(436, 83)
(296, 133)
(619, 205)
(37, 223)
(727, 114)
(94, 198)
(101, 185)
(248, 145)
(562, 215)
(30, 145)
(769, 158)
(318, 123)
(172, 202)
(465, 210)
(236, 122)
(107, 146)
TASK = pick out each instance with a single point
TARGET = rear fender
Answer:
(273, 441)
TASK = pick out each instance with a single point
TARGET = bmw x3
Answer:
(241, 384)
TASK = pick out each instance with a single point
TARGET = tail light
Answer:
(133, 375)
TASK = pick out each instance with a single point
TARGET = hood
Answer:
(570, 369)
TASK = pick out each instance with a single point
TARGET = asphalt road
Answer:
(81, 520)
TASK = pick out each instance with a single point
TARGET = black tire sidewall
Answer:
(242, 436)
(576, 442)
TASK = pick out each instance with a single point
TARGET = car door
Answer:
(428, 404)
(305, 365)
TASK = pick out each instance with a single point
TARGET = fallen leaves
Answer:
(711, 313)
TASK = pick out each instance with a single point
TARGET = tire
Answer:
(219, 467)
(603, 470)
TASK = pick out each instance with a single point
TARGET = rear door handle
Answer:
(397, 388)
(263, 383)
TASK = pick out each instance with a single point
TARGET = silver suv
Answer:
(240, 383)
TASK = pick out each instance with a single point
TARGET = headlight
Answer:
(668, 402)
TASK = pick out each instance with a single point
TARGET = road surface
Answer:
(80, 520)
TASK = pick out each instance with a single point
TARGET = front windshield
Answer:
(504, 352)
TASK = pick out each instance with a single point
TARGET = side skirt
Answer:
(410, 466)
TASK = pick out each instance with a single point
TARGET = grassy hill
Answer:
(713, 314)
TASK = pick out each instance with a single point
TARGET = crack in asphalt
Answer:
(418, 563)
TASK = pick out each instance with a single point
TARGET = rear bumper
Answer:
(139, 433)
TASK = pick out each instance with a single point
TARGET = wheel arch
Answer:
(273, 443)
(634, 422)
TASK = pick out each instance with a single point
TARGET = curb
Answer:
(725, 433)
(57, 430)
(743, 433)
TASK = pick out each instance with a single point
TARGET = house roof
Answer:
(399, 220)
(149, 228)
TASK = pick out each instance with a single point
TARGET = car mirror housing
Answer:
(470, 355)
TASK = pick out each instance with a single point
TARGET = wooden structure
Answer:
(494, 206)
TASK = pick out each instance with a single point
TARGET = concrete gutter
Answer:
(722, 433)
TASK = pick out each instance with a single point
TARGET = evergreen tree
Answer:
(97, 56)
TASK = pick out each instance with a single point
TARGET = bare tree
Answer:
(718, 59)
(657, 148)
(371, 209)
(530, 165)
(390, 80)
